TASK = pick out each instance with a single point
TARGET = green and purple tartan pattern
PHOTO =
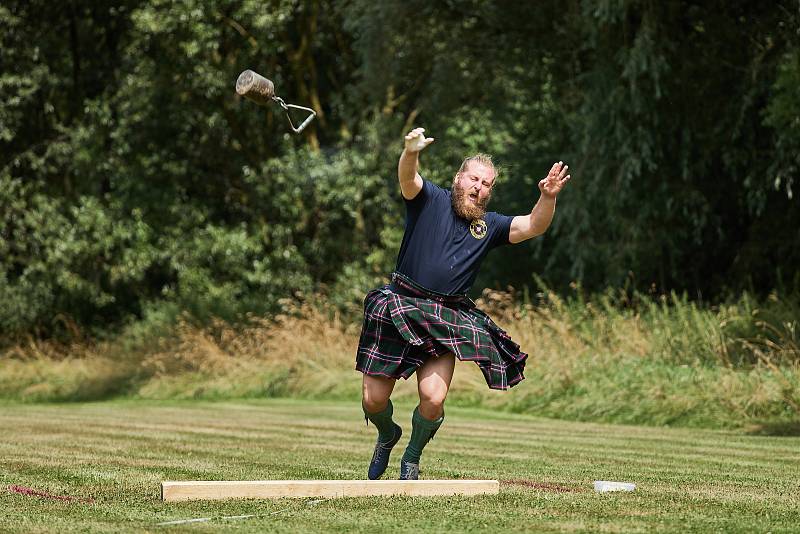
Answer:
(402, 330)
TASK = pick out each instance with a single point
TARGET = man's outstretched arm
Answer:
(527, 226)
(408, 166)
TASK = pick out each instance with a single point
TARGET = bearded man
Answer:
(423, 319)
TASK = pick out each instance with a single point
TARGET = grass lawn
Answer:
(111, 457)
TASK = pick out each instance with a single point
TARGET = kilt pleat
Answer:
(401, 331)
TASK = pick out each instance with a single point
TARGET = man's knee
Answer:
(375, 393)
(431, 403)
(373, 405)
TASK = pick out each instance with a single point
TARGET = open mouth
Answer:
(473, 197)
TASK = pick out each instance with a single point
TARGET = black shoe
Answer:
(409, 471)
(380, 458)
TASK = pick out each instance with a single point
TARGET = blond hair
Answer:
(483, 159)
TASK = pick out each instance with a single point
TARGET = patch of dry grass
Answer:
(656, 361)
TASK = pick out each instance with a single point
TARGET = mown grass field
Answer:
(111, 457)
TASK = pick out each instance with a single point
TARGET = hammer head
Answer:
(255, 87)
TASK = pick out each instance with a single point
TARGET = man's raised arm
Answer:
(407, 167)
(527, 226)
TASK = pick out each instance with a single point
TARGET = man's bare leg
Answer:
(378, 409)
(375, 393)
(433, 383)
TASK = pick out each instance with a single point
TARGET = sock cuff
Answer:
(386, 412)
(417, 418)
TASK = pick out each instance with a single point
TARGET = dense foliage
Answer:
(135, 184)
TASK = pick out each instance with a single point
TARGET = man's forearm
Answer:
(541, 216)
(535, 223)
(538, 221)
(408, 167)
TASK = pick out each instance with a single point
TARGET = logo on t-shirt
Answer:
(478, 228)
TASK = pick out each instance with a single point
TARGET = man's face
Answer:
(472, 190)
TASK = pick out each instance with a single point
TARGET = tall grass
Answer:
(612, 357)
(663, 360)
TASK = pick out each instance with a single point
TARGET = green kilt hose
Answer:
(405, 324)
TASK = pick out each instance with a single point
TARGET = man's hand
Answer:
(538, 220)
(415, 141)
(410, 181)
(552, 184)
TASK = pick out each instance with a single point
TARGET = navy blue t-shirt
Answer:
(440, 250)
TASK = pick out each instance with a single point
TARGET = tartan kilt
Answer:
(405, 324)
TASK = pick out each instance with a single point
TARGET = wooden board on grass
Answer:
(273, 489)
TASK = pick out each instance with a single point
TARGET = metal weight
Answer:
(260, 90)
(255, 87)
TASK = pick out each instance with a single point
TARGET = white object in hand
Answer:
(609, 485)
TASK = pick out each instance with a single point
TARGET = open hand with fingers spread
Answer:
(552, 184)
(415, 141)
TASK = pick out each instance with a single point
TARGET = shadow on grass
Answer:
(779, 428)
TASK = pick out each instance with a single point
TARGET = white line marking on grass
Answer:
(182, 521)
(204, 519)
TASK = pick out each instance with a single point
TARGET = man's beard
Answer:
(463, 207)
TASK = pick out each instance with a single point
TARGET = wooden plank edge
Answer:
(172, 491)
